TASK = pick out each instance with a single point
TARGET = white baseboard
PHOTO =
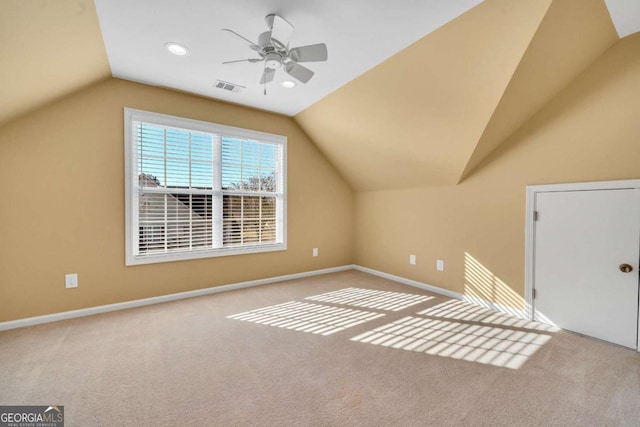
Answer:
(30, 321)
(447, 293)
(414, 283)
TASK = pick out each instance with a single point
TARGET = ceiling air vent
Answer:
(231, 87)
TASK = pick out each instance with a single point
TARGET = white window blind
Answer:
(198, 189)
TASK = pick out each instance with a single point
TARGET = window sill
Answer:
(211, 253)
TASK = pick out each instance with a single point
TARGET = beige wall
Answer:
(571, 36)
(436, 109)
(589, 132)
(62, 186)
(425, 108)
(49, 49)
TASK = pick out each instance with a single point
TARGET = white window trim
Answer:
(131, 196)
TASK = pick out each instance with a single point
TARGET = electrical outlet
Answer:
(315, 251)
(440, 265)
(71, 281)
(412, 259)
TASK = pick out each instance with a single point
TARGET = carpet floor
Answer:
(343, 349)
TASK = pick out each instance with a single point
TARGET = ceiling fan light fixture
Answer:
(177, 49)
(289, 84)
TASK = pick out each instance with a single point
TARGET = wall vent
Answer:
(231, 87)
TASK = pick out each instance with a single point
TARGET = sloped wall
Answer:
(430, 114)
(49, 49)
(62, 211)
(415, 119)
(571, 36)
(589, 132)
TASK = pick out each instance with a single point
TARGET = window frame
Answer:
(131, 194)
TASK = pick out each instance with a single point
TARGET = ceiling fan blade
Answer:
(311, 53)
(267, 75)
(252, 60)
(298, 72)
(281, 31)
(252, 45)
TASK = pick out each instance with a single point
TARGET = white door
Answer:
(581, 240)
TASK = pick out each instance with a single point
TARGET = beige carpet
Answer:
(359, 352)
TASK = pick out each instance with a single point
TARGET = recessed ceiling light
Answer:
(289, 84)
(177, 48)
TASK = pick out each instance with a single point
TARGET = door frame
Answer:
(529, 251)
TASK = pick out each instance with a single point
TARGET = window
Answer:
(196, 189)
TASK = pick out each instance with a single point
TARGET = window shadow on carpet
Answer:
(472, 342)
(306, 317)
(369, 298)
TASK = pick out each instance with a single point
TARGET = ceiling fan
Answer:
(273, 49)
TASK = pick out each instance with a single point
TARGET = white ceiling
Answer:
(359, 35)
(625, 15)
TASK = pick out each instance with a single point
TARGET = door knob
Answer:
(626, 268)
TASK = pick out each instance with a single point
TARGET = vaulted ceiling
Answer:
(415, 94)
(428, 115)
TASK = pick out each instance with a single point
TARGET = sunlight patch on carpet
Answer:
(306, 317)
(461, 310)
(369, 298)
(474, 343)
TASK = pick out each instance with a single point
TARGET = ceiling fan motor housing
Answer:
(273, 60)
